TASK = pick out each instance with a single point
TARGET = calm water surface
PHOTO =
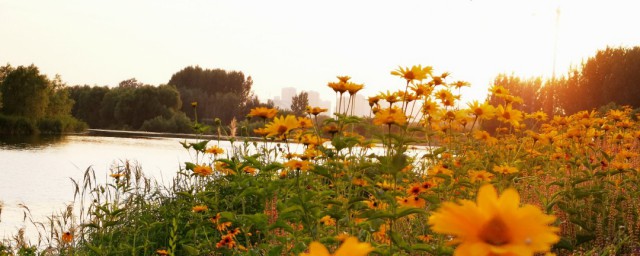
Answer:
(36, 171)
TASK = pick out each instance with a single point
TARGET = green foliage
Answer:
(17, 125)
(177, 123)
(60, 124)
(25, 92)
(34, 104)
(208, 87)
(88, 104)
(299, 103)
(129, 106)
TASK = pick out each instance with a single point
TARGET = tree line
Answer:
(610, 77)
(26, 96)
(32, 103)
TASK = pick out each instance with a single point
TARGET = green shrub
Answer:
(178, 123)
(62, 124)
(17, 125)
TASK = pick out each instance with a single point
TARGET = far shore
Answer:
(143, 134)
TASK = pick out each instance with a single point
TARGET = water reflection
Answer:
(29, 142)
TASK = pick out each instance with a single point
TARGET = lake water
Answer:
(36, 171)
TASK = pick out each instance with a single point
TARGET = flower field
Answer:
(533, 185)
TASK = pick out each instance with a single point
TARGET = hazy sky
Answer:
(305, 44)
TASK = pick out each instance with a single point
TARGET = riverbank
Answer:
(143, 134)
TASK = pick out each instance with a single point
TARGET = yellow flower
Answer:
(498, 90)
(343, 79)
(67, 237)
(162, 252)
(263, 112)
(480, 176)
(223, 168)
(353, 88)
(282, 125)
(484, 136)
(298, 165)
(350, 247)
(495, 225)
(327, 221)
(411, 201)
(116, 175)
(215, 150)
(429, 107)
(249, 170)
(509, 115)
(390, 116)
(391, 97)
(223, 226)
(460, 84)
(538, 116)
(414, 73)
(330, 129)
(338, 87)
(422, 89)
(505, 169)
(384, 185)
(194, 104)
(481, 111)
(304, 122)
(315, 110)
(262, 132)
(373, 100)
(226, 241)
(202, 170)
(199, 208)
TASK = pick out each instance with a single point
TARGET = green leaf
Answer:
(423, 247)
(190, 250)
(404, 211)
(96, 249)
(564, 243)
(397, 240)
(189, 166)
(276, 250)
(200, 146)
(281, 224)
(291, 209)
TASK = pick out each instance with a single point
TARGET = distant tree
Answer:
(88, 104)
(4, 71)
(207, 86)
(612, 75)
(130, 83)
(25, 92)
(60, 104)
(299, 103)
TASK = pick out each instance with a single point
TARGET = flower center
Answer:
(282, 129)
(495, 232)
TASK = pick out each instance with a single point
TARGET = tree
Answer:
(127, 106)
(205, 86)
(4, 71)
(299, 103)
(88, 104)
(130, 83)
(60, 104)
(25, 92)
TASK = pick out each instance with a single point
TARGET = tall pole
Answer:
(555, 42)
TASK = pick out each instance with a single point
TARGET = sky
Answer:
(306, 44)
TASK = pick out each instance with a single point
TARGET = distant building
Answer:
(358, 107)
(284, 100)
